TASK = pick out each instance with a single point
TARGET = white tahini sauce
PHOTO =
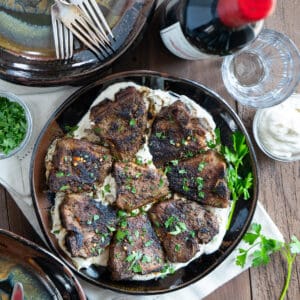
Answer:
(279, 128)
(159, 99)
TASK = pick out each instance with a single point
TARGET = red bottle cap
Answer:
(236, 13)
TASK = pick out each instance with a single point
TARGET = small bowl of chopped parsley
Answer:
(15, 124)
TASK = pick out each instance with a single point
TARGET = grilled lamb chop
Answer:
(135, 249)
(175, 134)
(181, 226)
(201, 178)
(121, 123)
(89, 224)
(138, 185)
(77, 165)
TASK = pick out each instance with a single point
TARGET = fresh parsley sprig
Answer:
(239, 186)
(260, 248)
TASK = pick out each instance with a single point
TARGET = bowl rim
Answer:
(40, 249)
(137, 73)
(14, 98)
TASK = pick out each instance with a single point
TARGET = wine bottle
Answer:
(196, 29)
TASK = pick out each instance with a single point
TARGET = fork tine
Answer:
(101, 16)
(55, 33)
(71, 43)
(84, 38)
(61, 40)
(90, 12)
(63, 37)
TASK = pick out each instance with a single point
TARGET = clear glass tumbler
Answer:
(265, 73)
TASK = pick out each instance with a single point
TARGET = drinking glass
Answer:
(265, 73)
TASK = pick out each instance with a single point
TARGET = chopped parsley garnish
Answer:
(107, 188)
(96, 217)
(137, 234)
(146, 259)
(175, 226)
(121, 235)
(182, 171)
(167, 269)
(177, 247)
(139, 161)
(185, 186)
(138, 175)
(134, 259)
(13, 125)
(121, 213)
(70, 130)
(201, 166)
(200, 182)
(132, 122)
(148, 243)
(64, 188)
(167, 170)
(160, 135)
(174, 162)
(213, 144)
(110, 228)
(161, 182)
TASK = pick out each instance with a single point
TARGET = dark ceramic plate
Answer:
(42, 275)
(72, 110)
(27, 54)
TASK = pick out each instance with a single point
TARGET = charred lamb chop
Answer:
(77, 165)
(176, 134)
(122, 122)
(135, 249)
(201, 178)
(138, 185)
(89, 224)
(181, 226)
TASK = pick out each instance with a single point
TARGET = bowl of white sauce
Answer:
(277, 130)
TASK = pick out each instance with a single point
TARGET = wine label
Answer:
(176, 42)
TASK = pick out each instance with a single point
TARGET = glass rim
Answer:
(14, 98)
(270, 100)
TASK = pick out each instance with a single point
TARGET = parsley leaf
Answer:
(239, 186)
(261, 247)
(295, 245)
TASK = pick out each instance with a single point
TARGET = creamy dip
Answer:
(157, 99)
(278, 128)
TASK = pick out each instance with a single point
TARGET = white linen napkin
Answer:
(14, 176)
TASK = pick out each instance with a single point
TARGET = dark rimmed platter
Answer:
(27, 54)
(42, 275)
(73, 109)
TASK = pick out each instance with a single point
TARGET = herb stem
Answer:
(290, 260)
(232, 209)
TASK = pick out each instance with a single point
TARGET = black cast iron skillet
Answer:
(70, 113)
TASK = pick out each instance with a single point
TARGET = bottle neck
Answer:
(236, 13)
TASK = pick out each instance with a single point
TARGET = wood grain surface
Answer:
(279, 182)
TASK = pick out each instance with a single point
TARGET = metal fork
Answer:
(81, 26)
(92, 9)
(63, 38)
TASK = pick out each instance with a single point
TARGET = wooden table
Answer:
(279, 182)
